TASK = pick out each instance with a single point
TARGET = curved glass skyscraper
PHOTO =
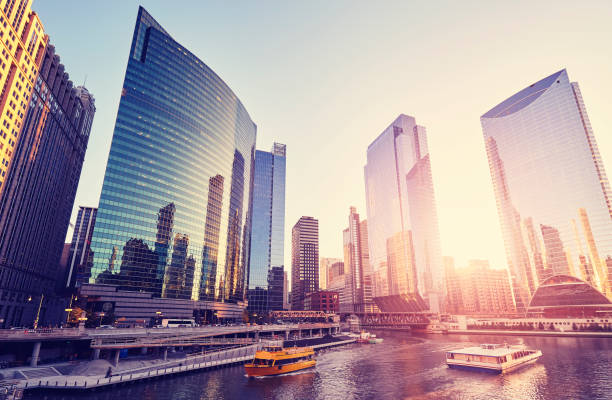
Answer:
(553, 197)
(173, 218)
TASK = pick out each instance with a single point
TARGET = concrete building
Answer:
(20, 29)
(478, 289)
(39, 191)
(324, 269)
(304, 260)
(553, 196)
(322, 300)
(404, 242)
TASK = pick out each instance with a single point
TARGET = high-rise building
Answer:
(354, 298)
(39, 192)
(477, 288)
(553, 197)
(23, 48)
(324, 268)
(404, 243)
(77, 267)
(454, 299)
(173, 218)
(304, 260)
(267, 257)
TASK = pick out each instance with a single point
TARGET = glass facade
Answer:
(266, 267)
(79, 255)
(404, 243)
(173, 218)
(562, 290)
(552, 194)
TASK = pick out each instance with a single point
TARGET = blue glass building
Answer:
(173, 213)
(266, 273)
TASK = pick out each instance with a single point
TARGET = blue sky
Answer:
(326, 77)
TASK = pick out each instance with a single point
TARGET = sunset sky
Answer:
(326, 77)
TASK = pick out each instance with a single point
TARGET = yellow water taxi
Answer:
(275, 360)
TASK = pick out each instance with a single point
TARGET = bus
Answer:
(178, 323)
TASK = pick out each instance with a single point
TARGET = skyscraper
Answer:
(173, 218)
(477, 288)
(324, 269)
(20, 29)
(39, 192)
(304, 260)
(267, 258)
(553, 196)
(79, 256)
(354, 298)
(404, 241)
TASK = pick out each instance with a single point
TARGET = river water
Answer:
(403, 367)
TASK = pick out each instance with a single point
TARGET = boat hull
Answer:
(495, 369)
(253, 371)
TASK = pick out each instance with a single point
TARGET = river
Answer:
(403, 367)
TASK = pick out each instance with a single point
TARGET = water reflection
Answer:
(403, 367)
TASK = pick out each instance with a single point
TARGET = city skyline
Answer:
(460, 153)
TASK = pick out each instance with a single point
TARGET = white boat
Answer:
(375, 340)
(495, 358)
(436, 327)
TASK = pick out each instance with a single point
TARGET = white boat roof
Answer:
(489, 350)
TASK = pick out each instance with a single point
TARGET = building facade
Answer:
(478, 289)
(323, 300)
(553, 196)
(20, 29)
(173, 218)
(304, 260)
(39, 192)
(79, 256)
(404, 243)
(356, 296)
(324, 269)
(267, 256)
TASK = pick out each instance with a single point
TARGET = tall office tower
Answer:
(77, 268)
(404, 241)
(39, 193)
(20, 29)
(267, 257)
(324, 269)
(353, 298)
(173, 218)
(553, 197)
(304, 260)
(367, 269)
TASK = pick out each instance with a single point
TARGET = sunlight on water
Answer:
(402, 367)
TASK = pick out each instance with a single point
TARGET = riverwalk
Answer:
(215, 360)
